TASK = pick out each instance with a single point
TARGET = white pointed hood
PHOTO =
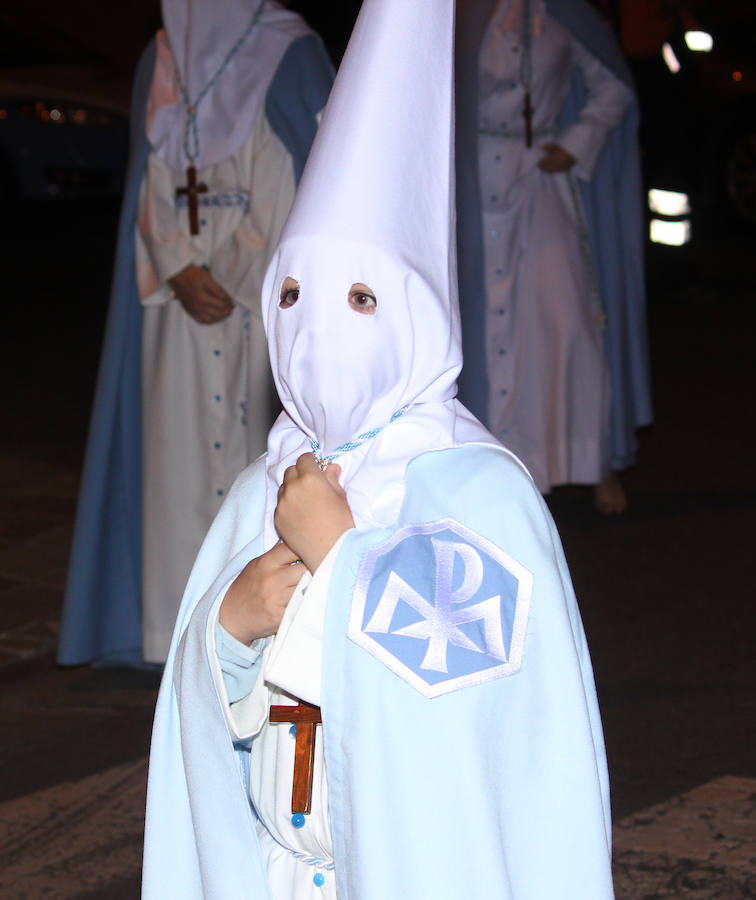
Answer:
(197, 37)
(375, 207)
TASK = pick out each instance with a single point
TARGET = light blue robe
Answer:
(102, 612)
(495, 788)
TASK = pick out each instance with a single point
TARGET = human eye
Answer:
(362, 299)
(289, 292)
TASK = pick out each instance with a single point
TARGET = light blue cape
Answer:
(496, 790)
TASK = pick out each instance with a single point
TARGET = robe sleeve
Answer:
(291, 661)
(239, 663)
(163, 246)
(608, 99)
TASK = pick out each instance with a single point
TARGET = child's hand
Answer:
(254, 604)
(312, 511)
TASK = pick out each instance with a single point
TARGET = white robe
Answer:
(298, 860)
(208, 398)
(548, 376)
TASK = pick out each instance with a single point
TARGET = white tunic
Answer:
(548, 377)
(299, 860)
(208, 398)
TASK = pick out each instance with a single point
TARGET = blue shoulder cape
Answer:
(613, 203)
(461, 731)
(102, 611)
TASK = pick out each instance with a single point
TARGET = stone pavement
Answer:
(666, 593)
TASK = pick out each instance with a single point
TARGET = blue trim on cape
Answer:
(102, 611)
(613, 204)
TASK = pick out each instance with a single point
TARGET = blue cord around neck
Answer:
(191, 131)
(357, 442)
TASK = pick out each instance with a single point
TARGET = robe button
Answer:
(219, 492)
(498, 157)
(503, 393)
(502, 311)
(216, 352)
(494, 233)
(217, 445)
(500, 271)
(319, 879)
(494, 198)
(203, 221)
(502, 351)
(217, 398)
(297, 820)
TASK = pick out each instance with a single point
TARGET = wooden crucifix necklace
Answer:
(192, 192)
(304, 716)
(191, 131)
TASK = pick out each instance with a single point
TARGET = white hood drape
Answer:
(198, 36)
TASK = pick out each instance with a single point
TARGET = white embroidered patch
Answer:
(442, 607)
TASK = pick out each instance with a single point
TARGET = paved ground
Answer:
(667, 593)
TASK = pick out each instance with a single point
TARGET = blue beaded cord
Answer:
(191, 132)
(357, 442)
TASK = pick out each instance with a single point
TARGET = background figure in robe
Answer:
(550, 241)
(460, 753)
(232, 90)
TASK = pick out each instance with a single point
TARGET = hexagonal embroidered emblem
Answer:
(442, 607)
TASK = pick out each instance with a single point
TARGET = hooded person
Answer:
(360, 575)
(551, 240)
(226, 98)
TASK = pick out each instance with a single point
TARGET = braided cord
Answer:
(526, 64)
(597, 306)
(357, 442)
(313, 860)
(191, 132)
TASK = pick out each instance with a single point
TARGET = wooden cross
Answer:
(305, 716)
(527, 112)
(192, 192)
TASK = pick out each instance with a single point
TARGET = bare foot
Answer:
(609, 496)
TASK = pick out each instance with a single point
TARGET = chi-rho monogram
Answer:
(442, 607)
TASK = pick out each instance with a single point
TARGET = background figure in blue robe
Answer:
(551, 263)
(151, 343)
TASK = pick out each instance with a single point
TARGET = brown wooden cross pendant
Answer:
(527, 111)
(192, 192)
(305, 716)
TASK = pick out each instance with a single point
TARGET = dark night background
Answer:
(667, 591)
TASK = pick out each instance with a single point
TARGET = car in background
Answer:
(698, 127)
(63, 145)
